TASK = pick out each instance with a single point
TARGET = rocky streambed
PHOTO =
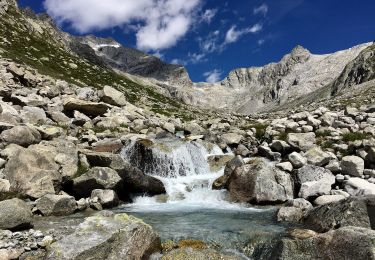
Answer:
(277, 186)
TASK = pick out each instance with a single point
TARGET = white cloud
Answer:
(261, 42)
(159, 24)
(233, 34)
(213, 76)
(178, 62)
(197, 57)
(262, 9)
(211, 42)
(208, 15)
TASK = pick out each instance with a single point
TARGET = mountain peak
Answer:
(4, 5)
(300, 52)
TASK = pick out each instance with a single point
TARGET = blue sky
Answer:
(213, 37)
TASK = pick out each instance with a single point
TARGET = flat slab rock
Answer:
(107, 237)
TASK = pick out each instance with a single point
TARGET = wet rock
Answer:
(260, 182)
(198, 254)
(349, 212)
(21, 135)
(56, 205)
(15, 214)
(135, 181)
(96, 178)
(107, 198)
(344, 243)
(222, 182)
(100, 237)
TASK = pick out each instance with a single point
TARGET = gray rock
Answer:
(99, 237)
(107, 198)
(222, 182)
(326, 199)
(260, 182)
(359, 187)
(297, 160)
(316, 156)
(56, 205)
(349, 212)
(344, 243)
(113, 96)
(33, 171)
(301, 141)
(294, 210)
(334, 166)
(280, 146)
(4, 185)
(199, 254)
(86, 107)
(285, 166)
(21, 135)
(231, 138)
(96, 178)
(314, 181)
(33, 115)
(15, 214)
(353, 166)
(193, 128)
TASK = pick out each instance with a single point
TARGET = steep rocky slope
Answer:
(260, 89)
(33, 40)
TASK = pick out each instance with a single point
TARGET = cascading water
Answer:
(184, 170)
(191, 209)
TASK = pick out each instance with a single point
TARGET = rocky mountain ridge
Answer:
(299, 74)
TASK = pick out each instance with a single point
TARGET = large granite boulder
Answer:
(344, 243)
(56, 205)
(32, 171)
(134, 180)
(15, 214)
(107, 237)
(260, 182)
(113, 96)
(21, 135)
(350, 212)
(313, 181)
(96, 178)
(86, 107)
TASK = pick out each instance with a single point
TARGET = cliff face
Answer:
(358, 71)
(261, 89)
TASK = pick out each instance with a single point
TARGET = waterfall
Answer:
(182, 167)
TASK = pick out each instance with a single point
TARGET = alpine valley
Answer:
(107, 152)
